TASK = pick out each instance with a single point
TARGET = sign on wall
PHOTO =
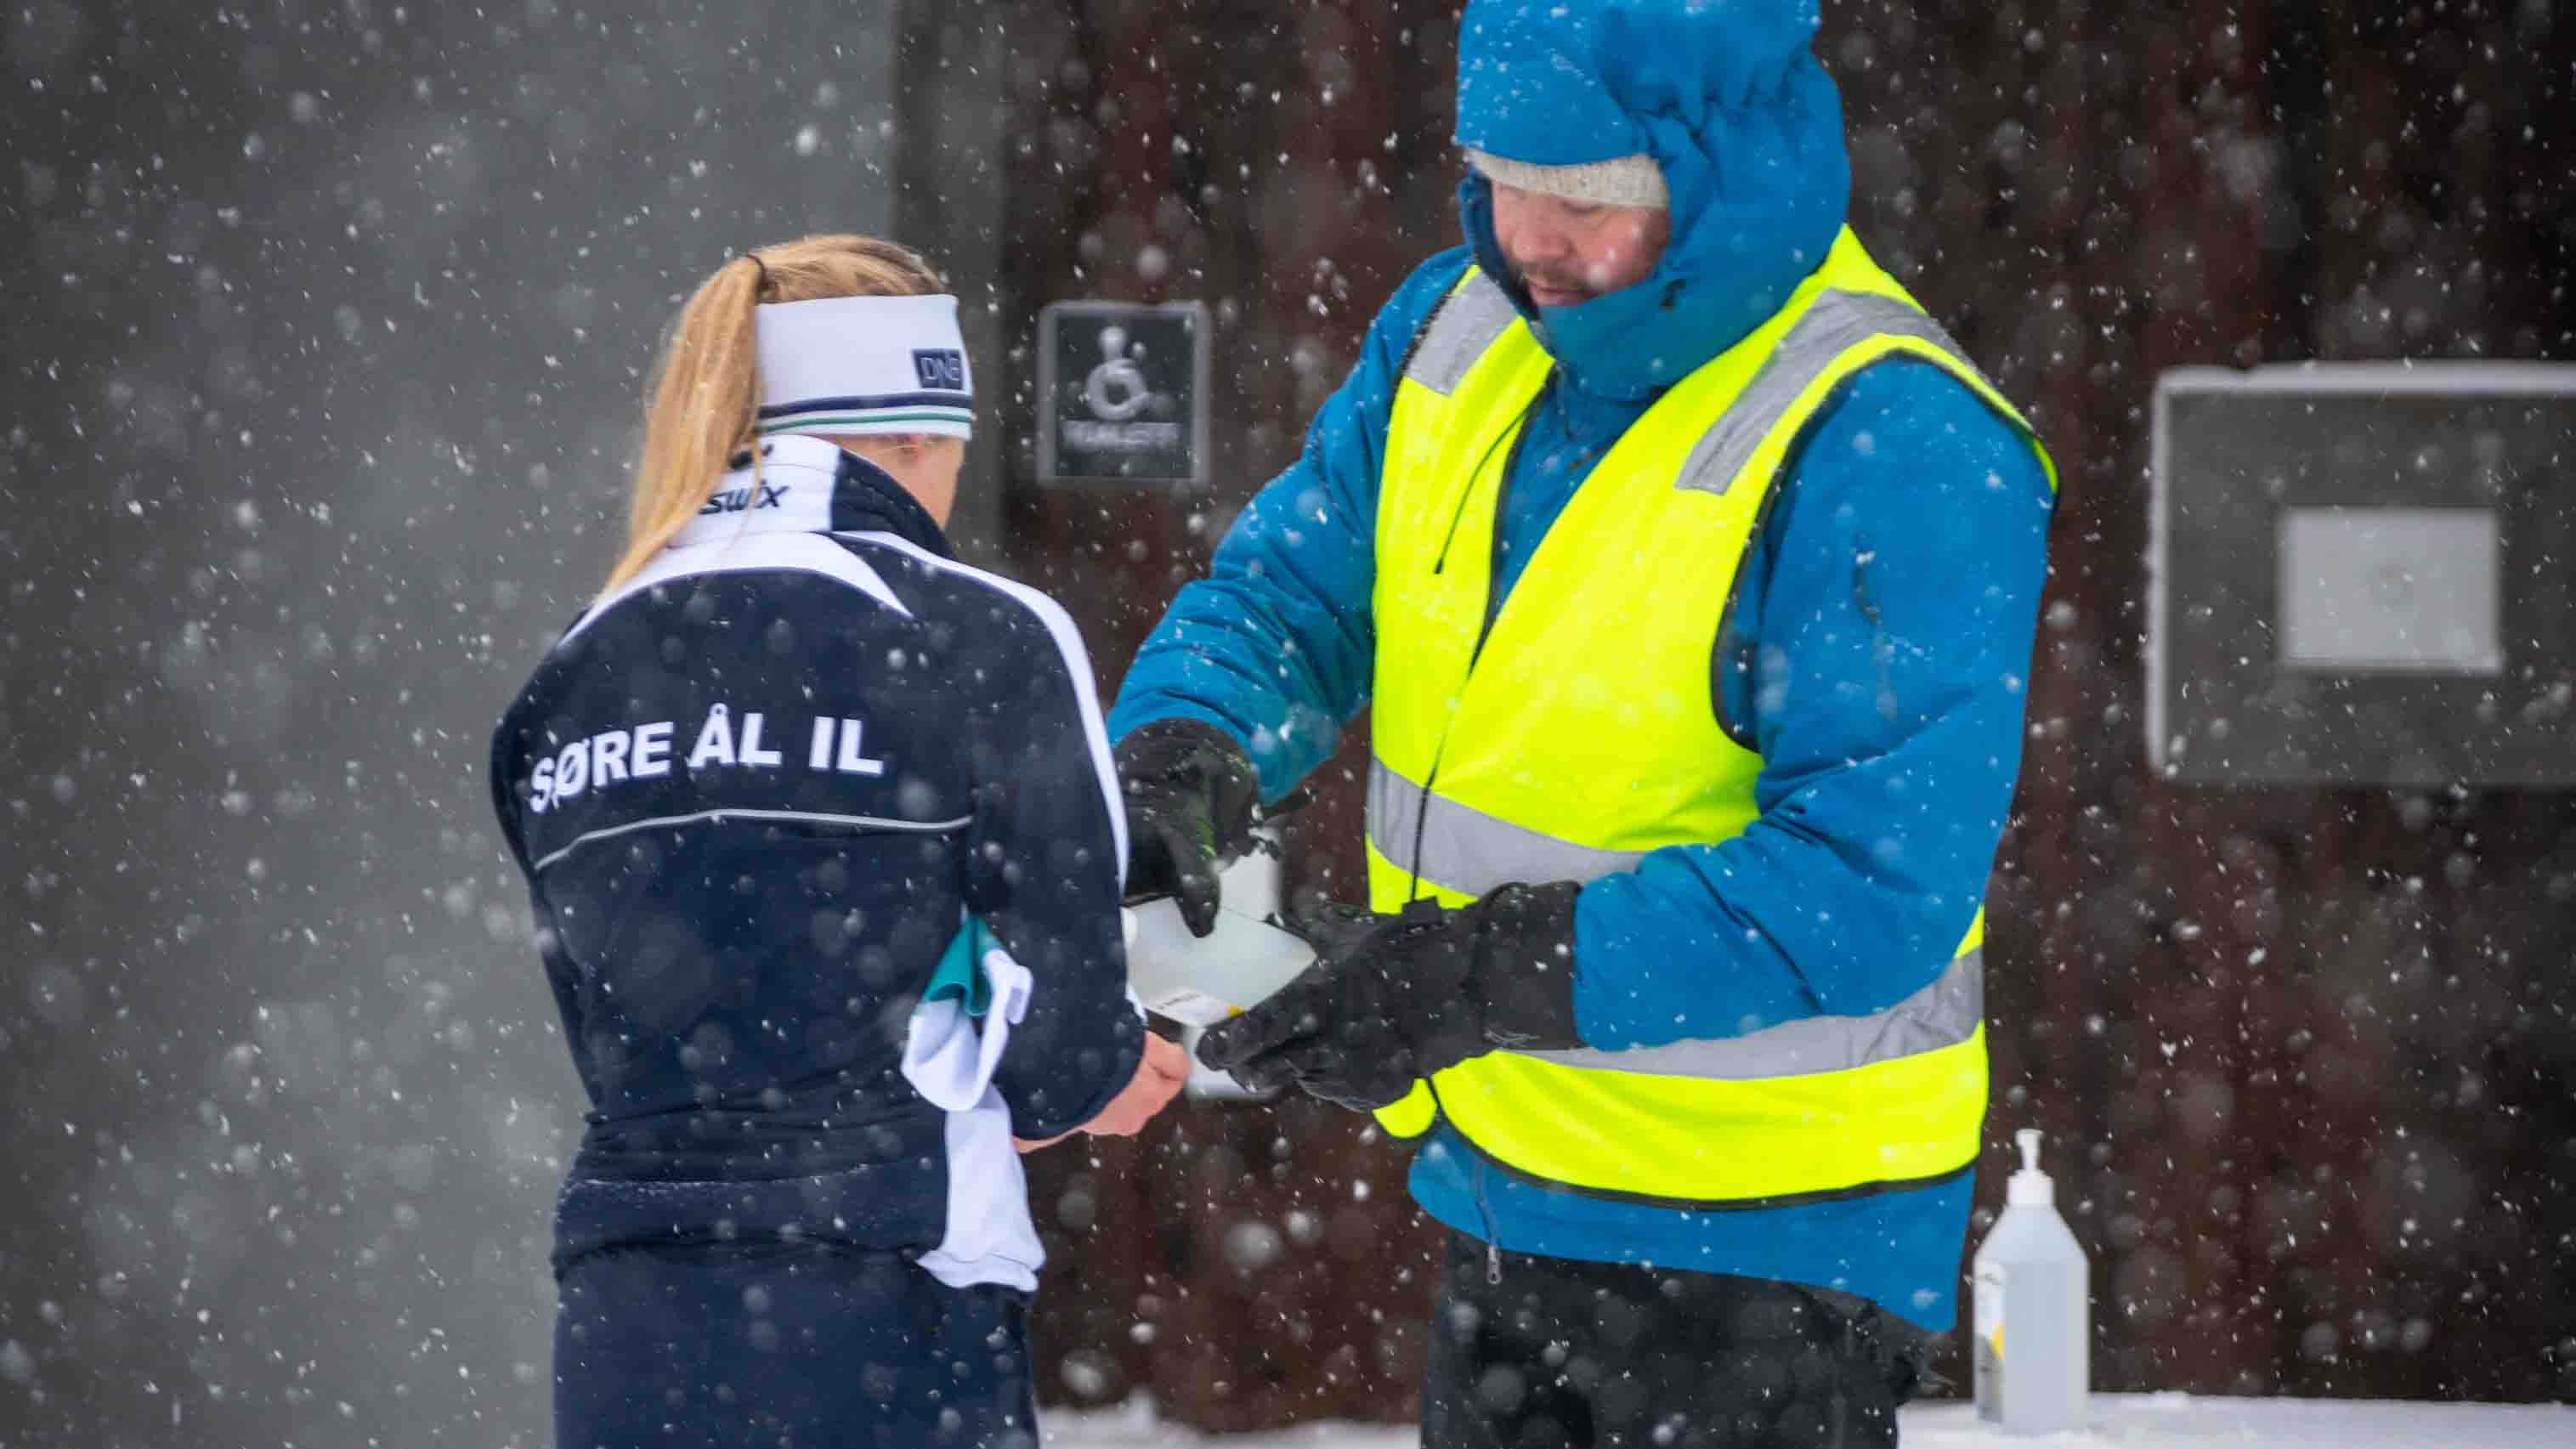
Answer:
(1123, 394)
(2359, 574)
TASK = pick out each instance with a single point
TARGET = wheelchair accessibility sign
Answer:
(1123, 394)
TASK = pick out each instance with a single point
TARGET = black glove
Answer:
(1192, 800)
(1394, 998)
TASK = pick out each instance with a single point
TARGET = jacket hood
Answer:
(1728, 99)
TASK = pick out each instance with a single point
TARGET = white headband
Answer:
(864, 365)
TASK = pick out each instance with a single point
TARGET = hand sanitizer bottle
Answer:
(1202, 981)
(2033, 1300)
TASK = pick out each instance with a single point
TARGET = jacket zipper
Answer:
(1518, 433)
(1422, 816)
(1485, 1211)
(1476, 1189)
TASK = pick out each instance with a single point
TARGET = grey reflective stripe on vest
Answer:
(1465, 324)
(1468, 850)
(1836, 322)
(1942, 1014)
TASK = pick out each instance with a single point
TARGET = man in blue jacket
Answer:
(1690, 573)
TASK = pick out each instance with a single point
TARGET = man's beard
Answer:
(1535, 279)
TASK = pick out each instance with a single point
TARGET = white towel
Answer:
(946, 1057)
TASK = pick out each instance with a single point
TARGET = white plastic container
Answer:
(2034, 1332)
(1202, 980)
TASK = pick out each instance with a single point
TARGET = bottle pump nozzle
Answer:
(2030, 1185)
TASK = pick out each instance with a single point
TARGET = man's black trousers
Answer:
(1564, 1353)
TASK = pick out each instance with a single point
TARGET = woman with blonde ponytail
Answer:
(824, 854)
(703, 399)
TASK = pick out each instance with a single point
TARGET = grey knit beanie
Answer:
(1631, 180)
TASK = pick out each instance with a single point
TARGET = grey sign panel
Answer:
(2391, 588)
(1123, 394)
(2360, 574)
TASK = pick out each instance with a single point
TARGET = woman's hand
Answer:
(1159, 1075)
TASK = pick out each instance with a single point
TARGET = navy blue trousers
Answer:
(785, 1346)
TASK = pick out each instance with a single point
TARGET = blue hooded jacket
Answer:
(1876, 655)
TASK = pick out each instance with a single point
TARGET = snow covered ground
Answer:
(2120, 1421)
(2180, 1421)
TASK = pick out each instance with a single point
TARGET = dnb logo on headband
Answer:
(940, 368)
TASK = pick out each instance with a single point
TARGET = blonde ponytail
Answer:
(702, 402)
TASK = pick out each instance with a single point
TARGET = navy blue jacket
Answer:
(757, 793)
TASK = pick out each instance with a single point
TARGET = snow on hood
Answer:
(1727, 97)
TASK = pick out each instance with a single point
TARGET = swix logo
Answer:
(943, 368)
(743, 500)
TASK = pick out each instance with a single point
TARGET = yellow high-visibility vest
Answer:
(1582, 732)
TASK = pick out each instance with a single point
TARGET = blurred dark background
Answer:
(324, 327)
